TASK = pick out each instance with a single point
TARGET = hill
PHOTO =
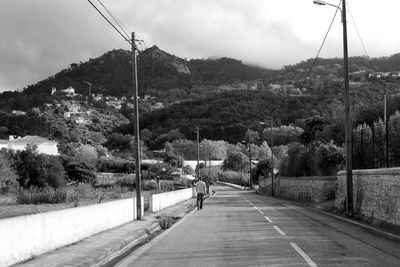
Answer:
(158, 73)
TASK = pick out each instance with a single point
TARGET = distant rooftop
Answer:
(30, 139)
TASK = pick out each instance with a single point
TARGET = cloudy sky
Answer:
(41, 37)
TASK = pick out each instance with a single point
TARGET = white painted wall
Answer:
(23, 237)
(167, 199)
(193, 163)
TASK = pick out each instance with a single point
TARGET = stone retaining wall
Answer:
(376, 195)
(314, 189)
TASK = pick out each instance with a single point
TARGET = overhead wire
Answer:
(320, 48)
(112, 25)
(113, 17)
(361, 40)
(126, 36)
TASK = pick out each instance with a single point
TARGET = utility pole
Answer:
(205, 155)
(198, 152)
(136, 130)
(272, 157)
(349, 167)
(250, 181)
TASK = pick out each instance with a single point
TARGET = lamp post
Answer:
(272, 155)
(349, 167)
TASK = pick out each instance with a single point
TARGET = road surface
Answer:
(239, 228)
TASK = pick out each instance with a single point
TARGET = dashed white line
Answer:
(268, 219)
(304, 255)
(279, 230)
(260, 211)
(255, 207)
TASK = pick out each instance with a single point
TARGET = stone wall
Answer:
(314, 189)
(376, 195)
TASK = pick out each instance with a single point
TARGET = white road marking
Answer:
(260, 211)
(255, 207)
(268, 219)
(304, 255)
(279, 230)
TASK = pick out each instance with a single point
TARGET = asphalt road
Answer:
(238, 228)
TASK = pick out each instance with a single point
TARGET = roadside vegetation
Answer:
(29, 178)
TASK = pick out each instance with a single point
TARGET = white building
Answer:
(43, 145)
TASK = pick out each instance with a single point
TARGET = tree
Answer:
(188, 170)
(86, 154)
(81, 172)
(8, 176)
(236, 161)
(39, 169)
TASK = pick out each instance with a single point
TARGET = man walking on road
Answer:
(201, 191)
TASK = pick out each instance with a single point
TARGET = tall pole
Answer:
(272, 157)
(349, 167)
(198, 152)
(250, 181)
(136, 130)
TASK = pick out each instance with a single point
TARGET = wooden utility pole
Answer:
(348, 128)
(272, 157)
(198, 152)
(136, 130)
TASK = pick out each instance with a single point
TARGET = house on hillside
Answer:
(70, 91)
(43, 145)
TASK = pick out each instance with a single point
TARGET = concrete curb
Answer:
(126, 246)
(365, 226)
(360, 224)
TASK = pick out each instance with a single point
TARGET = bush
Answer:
(8, 176)
(233, 177)
(81, 172)
(316, 158)
(115, 166)
(209, 175)
(36, 195)
(149, 185)
(236, 161)
(39, 170)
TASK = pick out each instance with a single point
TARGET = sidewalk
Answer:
(99, 249)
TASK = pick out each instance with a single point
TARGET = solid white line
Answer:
(279, 230)
(268, 219)
(260, 211)
(304, 255)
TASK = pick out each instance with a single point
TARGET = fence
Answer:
(377, 145)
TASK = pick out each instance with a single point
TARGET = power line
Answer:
(358, 33)
(320, 48)
(359, 37)
(112, 25)
(126, 38)
(114, 18)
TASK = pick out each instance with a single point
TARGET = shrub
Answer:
(115, 166)
(8, 176)
(149, 185)
(38, 169)
(233, 177)
(209, 175)
(81, 172)
(36, 195)
(236, 161)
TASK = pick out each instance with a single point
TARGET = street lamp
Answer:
(349, 167)
(272, 154)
